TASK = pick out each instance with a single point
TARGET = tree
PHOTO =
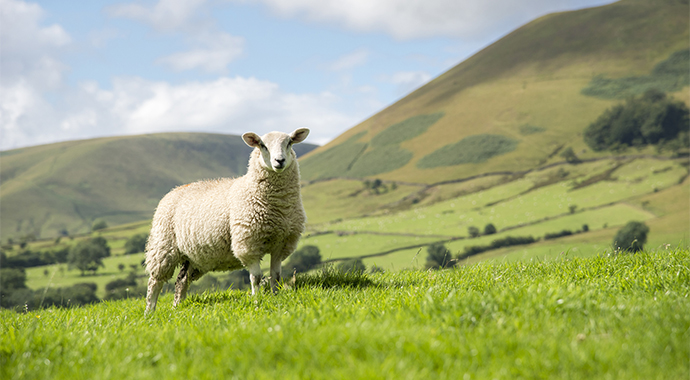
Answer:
(438, 257)
(99, 224)
(569, 155)
(304, 259)
(87, 255)
(631, 237)
(489, 229)
(652, 118)
(136, 244)
(473, 231)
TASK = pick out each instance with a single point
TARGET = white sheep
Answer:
(228, 224)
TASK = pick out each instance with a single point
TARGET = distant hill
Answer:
(520, 101)
(62, 188)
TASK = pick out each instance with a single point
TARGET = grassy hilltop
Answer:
(521, 100)
(617, 316)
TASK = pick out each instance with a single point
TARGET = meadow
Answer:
(348, 220)
(613, 315)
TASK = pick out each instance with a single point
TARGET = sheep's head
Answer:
(276, 147)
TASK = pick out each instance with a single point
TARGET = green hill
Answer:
(519, 101)
(62, 188)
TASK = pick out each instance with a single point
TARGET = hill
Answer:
(521, 100)
(621, 316)
(61, 188)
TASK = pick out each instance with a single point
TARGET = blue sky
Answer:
(82, 69)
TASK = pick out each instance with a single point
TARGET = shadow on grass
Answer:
(330, 277)
(325, 278)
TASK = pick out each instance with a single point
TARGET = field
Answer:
(348, 220)
(604, 194)
(610, 316)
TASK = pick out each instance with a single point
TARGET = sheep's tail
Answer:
(162, 255)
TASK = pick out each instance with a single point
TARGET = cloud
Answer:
(226, 105)
(407, 19)
(211, 49)
(29, 67)
(29, 51)
(136, 105)
(213, 54)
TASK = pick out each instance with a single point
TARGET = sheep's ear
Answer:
(252, 139)
(299, 135)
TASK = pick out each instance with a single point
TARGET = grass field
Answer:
(621, 316)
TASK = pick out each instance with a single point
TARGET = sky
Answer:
(83, 69)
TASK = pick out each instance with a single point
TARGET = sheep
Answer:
(229, 224)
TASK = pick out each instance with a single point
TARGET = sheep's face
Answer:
(276, 147)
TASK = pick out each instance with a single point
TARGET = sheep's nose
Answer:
(280, 161)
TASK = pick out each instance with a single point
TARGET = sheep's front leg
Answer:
(255, 276)
(275, 272)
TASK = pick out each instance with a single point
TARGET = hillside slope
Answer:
(518, 102)
(61, 188)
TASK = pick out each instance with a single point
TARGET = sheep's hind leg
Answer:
(275, 272)
(154, 289)
(182, 283)
(255, 276)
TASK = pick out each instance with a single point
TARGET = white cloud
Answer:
(213, 55)
(405, 19)
(227, 105)
(29, 67)
(211, 49)
(135, 106)
(28, 50)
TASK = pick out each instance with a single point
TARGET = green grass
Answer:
(670, 75)
(621, 316)
(381, 159)
(405, 130)
(470, 150)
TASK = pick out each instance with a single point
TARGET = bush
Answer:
(99, 224)
(136, 244)
(650, 119)
(473, 231)
(489, 229)
(470, 150)
(555, 235)
(29, 259)
(569, 155)
(438, 257)
(87, 255)
(631, 237)
(512, 240)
